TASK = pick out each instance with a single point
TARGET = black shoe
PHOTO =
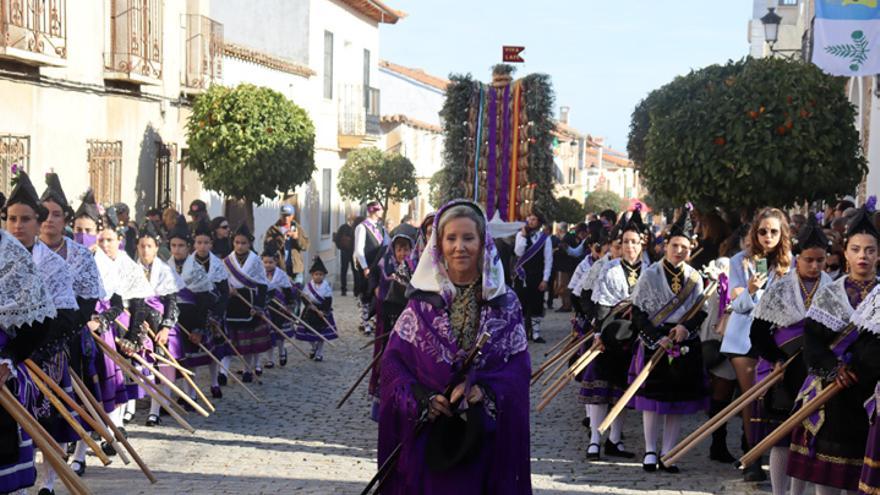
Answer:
(78, 467)
(539, 340)
(312, 355)
(71, 447)
(153, 420)
(46, 491)
(282, 360)
(127, 417)
(221, 379)
(616, 450)
(669, 469)
(648, 466)
(343, 293)
(586, 422)
(318, 359)
(718, 452)
(593, 456)
(247, 377)
(258, 371)
(108, 449)
(216, 393)
(269, 365)
(754, 473)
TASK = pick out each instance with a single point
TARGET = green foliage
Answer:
(748, 134)
(250, 142)
(455, 151)
(539, 111)
(599, 201)
(368, 174)
(569, 210)
(435, 188)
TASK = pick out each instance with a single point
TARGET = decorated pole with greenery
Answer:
(748, 134)
(250, 143)
(370, 175)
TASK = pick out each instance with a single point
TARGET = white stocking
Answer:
(671, 429)
(116, 415)
(778, 478)
(651, 423)
(616, 430)
(797, 486)
(597, 415)
(169, 373)
(212, 371)
(587, 409)
(49, 481)
(225, 361)
(80, 453)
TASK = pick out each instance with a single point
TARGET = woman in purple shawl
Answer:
(458, 293)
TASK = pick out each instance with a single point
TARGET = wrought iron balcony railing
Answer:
(359, 110)
(204, 51)
(34, 31)
(135, 41)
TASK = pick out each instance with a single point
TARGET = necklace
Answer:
(864, 287)
(675, 284)
(808, 294)
(632, 272)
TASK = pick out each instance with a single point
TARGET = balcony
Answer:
(358, 115)
(135, 53)
(204, 53)
(34, 31)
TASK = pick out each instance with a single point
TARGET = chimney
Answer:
(563, 114)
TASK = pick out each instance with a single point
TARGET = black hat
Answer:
(88, 207)
(453, 440)
(197, 206)
(860, 222)
(121, 208)
(148, 230)
(318, 266)
(270, 250)
(180, 230)
(617, 230)
(202, 228)
(683, 226)
(55, 193)
(107, 220)
(634, 224)
(24, 193)
(811, 235)
(245, 231)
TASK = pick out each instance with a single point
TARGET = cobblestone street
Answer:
(296, 441)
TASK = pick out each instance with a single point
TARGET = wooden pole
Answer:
(565, 353)
(52, 453)
(167, 381)
(789, 424)
(58, 391)
(59, 406)
(220, 364)
(566, 378)
(725, 414)
(142, 381)
(295, 319)
(560, 365)
(179, 367)
(98, 418)
(565, 340)
(231, 346)
(377, 339)
(633, 388)
(360, 379)
(272, 325)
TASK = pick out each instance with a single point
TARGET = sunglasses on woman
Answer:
(764, 232)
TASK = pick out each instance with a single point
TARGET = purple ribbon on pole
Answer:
(506, 138)
(723, 298)
(491, 166)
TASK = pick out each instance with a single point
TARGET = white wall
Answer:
(402, 95)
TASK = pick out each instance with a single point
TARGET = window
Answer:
(105, 170)
(366, 78)
(14, 150)
(328, 65)
(166, 174)
(788, 3)
(326, 206)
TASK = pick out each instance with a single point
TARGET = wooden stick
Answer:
(142, 381)
(377, 339)
(360, 379)
(560, 365)
(291, 319)
(725, 414)
(59, 392)
(179, 367)
(789, 424)
(167, 381)
(98, 418)
(576, 367)
(174, 364)
(272, 325)
(565, 340)
(565, 353)
(59, 406)
(220, 364)
(51, 450)
(231, 346)
(167, 362)
(633, 388)
(317, 311)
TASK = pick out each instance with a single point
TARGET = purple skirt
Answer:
(111, 379)
(56, 368)
(678, 387)
(287, 329)
(248, 338)
(595, 390)
(306, 335)
(194, 356)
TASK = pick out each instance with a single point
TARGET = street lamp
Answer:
(771, 22)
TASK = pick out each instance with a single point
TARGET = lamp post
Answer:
(771, 22)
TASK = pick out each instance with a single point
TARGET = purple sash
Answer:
(529, 254)
(374, 229)
(186, 296)
(318, 299)
(506, 159)
(659, 317)
(491, 163)
(238, 274)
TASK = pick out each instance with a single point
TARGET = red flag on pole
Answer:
(511, 53)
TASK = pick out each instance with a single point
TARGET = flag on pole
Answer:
(847, 37)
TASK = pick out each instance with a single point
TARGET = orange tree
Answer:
(748, 134)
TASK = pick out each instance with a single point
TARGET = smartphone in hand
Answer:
(761, 266)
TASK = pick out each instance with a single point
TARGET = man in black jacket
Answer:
(344, 240)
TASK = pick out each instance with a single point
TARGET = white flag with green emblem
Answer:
(846, 37)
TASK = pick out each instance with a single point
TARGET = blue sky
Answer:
(603, 56)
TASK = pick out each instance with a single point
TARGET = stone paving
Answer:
(296, 441)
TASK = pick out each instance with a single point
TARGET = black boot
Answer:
(718, 451)
(753, 473)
